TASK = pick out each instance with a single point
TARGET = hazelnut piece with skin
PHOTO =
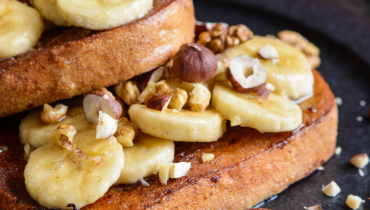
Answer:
(153, 76)
(158, 102)
(106, 127)
(246, 74)
(194, 63)
(360, 160)
(99, 101)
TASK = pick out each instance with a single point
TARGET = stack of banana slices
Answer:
(75, 154)
(21, 26)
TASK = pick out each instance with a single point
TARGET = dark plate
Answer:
(344, 40)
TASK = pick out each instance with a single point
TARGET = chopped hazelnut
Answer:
(100, 101)
(106, 127)
(207, 157)
(178, 170)
(164, 173)
(360, 160)
(158, 102)
(104, 90)
(332, 189)
(315, 207)
(268, 52)
(153, 88)
(53, 115)
(353, 201)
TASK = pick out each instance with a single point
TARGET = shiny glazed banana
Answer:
(56, 177)
(177, 125)
(21, 27)
(144, 157)
(36, 134)
(48, 10)
(290, 74)
(102, 14)
(275, 114)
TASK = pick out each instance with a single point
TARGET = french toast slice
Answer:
(248, 167)
(72, 61)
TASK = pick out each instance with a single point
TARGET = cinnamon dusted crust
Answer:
(248, 166)
(72, 61)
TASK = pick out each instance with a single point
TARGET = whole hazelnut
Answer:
(194, 63)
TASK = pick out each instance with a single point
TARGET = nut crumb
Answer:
(315, 207)
(359, 118)
(360, 160)
(320, 168)
(353, 201)
(143, 182)
(338, 150)
(361, 172)
(332, 189)
(338, 101)
(207, 157)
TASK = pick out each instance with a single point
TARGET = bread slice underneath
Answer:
(248, 166)
(72, 61)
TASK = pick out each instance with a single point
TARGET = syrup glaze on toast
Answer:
(248, 166)
(72, 61)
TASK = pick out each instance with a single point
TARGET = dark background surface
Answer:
(341, 29)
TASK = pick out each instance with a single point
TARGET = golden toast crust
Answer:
(248, 166)
(73, 61)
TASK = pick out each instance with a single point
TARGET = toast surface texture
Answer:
(248, 166)
(72, 61)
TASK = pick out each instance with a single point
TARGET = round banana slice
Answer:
(176, 125)
(143, 159)
(291, 73)
(102, 14)
(37, 134)
(48, 10)
(21, 27)
(276, 114)
(56, 177)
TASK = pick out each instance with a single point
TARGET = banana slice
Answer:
(48, 10)
(177, 125)
(291, 74)
(102, 14)
(276, 114)
(20, 28)
(36, 134)
(144, 158)
(56, 177)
